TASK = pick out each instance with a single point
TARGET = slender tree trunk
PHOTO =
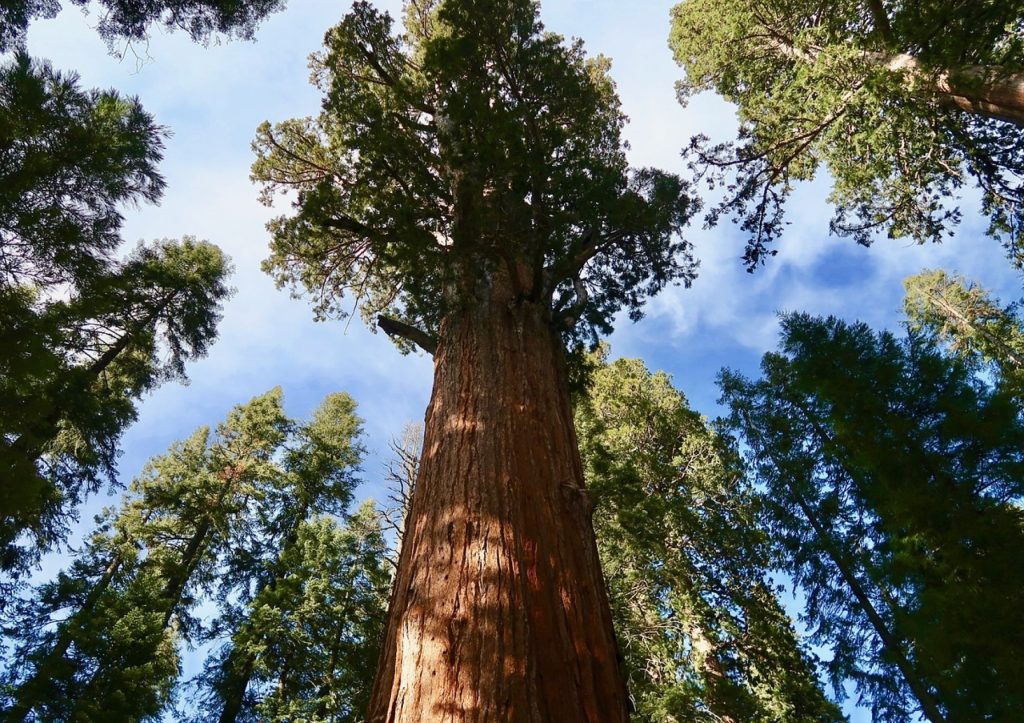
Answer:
(240, 665)
(174, 587)
(25, 499)
(499, 610)
(895, 646)
(35, 689)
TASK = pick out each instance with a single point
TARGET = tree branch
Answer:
(394, 327)
(570, 316)
(347, 223)
(882, 26)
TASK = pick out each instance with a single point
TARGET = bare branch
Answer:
(394, 327)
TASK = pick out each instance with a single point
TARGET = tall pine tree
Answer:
(301, 599)
(84, 334)
(894, 479)
(100, 642)
(703, 636)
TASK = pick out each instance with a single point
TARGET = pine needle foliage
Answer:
(244, 504)
(702, 632)
(474, 143)
(893, 483)
(83, 333)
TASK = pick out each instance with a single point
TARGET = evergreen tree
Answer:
(84, 334)
(69, 159)
(905, 103)
(703, 635)
(100, 643)
(307, 642)
(466, 185)
(963, 316)
(122, 20)
(284, 550)
(894, 483)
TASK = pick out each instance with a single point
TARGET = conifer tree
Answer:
(305, 646)
(904, 103)
(102, 639)
(894, 481)
(83, 334)
(465, 185)
(703, 636)
(121, 20)
(274, 559)
(964, 317)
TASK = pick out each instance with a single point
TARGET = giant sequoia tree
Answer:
(466, 185)
(904, 102)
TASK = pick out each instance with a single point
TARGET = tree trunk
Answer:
(893, 644)
(990, 92)
(240, 666)
(499, 610)
(34, 690)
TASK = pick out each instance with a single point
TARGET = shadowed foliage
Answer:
(894, 479)
(84, 333)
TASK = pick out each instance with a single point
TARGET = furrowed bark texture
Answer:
(499, 610)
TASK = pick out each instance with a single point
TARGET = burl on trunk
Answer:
(499, 610)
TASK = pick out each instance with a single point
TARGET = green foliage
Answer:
(962, 316)
(703, 635)
(893, 483)
(102, 639)
(301, 600)
(75, 368)
(129, 21)
(475, 144)
(308, 642)
(905, 103)
(69, 159)
(84, 334)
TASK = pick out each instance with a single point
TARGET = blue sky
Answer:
(213, 98)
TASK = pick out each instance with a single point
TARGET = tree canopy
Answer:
(85, 333)
(124, 20)
(893, 484)
(247, 514)
(471, 144)
(905, 103)
(687, 566)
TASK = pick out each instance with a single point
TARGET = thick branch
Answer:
(570, 316)
(987, 91)
(394, 327)
(347, 223)
(593, 243)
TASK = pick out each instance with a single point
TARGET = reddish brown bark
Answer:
(499, 611)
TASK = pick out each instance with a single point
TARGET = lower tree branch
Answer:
(394, 327)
